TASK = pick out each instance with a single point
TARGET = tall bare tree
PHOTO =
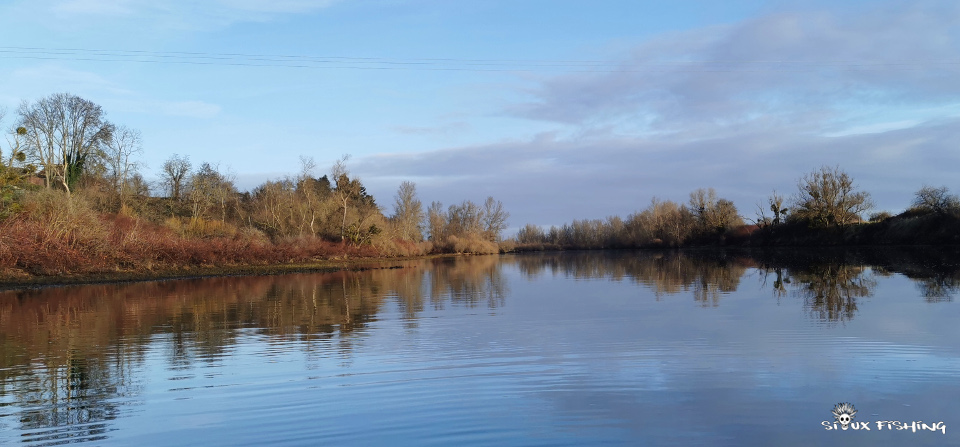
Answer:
(408, 213)
(210, 188)
(124, 143)
(345, 189)
(359, 207)
(494, 219)
(436, 221)
(311, 195)
(175, 171)
(63, 132)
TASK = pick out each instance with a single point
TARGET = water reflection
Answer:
(708, 275)
(831, 291)
(939, 287)
(831, 283)
(66, 354)
(72, 358)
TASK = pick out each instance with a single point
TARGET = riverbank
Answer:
(907, 229)
(27, 281)
(118, 256)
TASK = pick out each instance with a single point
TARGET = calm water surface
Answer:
(621, 348)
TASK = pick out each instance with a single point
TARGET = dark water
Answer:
(624, 348)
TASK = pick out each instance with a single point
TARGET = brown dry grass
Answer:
(59, 235)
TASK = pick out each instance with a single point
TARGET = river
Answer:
(706, 348)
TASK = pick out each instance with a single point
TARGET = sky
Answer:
(561, 109)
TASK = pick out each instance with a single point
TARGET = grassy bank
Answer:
(56, 239)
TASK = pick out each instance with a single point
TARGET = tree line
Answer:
(826, 209)
(72, 176)
(72, 198)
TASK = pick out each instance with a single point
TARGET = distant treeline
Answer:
(827, 209)
(72, 200)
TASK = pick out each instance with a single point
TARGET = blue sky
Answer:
(561, 109)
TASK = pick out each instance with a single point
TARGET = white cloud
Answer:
(874, 128)
(792, 70)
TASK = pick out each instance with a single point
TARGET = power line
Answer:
(454, 64)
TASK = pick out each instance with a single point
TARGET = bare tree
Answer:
(437, 221)
(138, 186)
(668, 222)
(408, 213)
(344, 189)
(464, 219)
(273, 207)
(494, 219)
(762, 220)
(712, 213)
(124, 143)
(937, 200)
(829, 197)
(308, 204)
(307, 165)
(701, 201)
(210, 188)
(776, 206)
(531, 234)
(175, 171)
(62, 132)
(359, 207)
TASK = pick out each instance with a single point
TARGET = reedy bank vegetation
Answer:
(72, 200)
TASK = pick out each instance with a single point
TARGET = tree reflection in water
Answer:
(707, 275)
(71, 358)
(69, 355)
(831, 282)
(830, 292)
(939, 288)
